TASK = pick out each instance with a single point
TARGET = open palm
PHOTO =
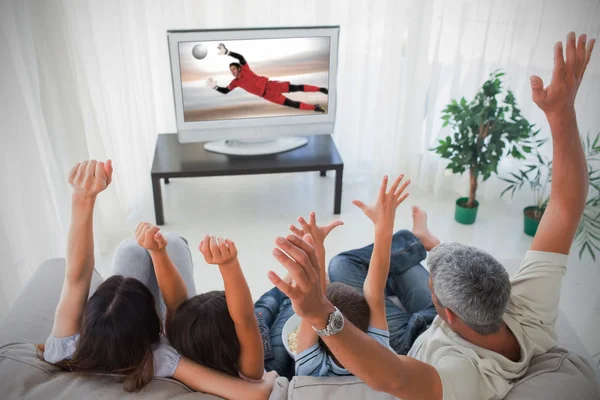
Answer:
(383, 212)
(566, 76)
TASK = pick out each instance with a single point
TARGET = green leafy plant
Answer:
(537, 176)
(485, 129)
(588, 233)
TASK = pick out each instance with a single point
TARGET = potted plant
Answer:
(485, 129)
(588, 233)
(537, 176)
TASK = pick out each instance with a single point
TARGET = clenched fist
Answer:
(149, 237)
(89, 178)
(218, 251)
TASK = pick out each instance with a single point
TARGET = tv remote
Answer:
(265, 336)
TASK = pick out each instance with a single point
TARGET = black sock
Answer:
(296, 88)
(324, 90)
(291, 103)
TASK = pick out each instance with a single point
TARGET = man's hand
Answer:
(318, 233)
(89, 178)
(211, 83)
(559, 96)
(383, 212)
(307, 296)
(218, 251)
(222, 49)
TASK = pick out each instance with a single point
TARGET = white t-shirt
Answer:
(470, 372)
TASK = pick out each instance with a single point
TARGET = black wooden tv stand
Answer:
(176, 160)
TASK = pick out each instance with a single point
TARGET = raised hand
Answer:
(306, 293)
(560, 95)
(149, 237)
(89, 178)
(318, 233)
(222, 49)
(211, 83)
(383, 212)
(218, 251)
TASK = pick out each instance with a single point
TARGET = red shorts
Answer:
(274, 90)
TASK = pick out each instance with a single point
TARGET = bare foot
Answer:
(420, 229)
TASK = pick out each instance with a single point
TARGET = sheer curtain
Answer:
(88, 79)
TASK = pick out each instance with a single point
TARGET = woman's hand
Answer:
(89, 178)
(218, 251)
(149, 237)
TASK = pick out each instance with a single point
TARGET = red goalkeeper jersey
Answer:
(249, 81)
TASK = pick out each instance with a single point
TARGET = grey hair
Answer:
(471, 283)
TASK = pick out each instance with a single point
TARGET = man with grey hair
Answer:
(488, 327)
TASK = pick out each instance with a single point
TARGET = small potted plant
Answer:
(588, 233)
(538, 177)
(485, 129)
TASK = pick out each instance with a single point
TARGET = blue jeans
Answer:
(276, 309)
(407, 279)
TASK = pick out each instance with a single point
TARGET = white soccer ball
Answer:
(199, 51)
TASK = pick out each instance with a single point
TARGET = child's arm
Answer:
(239, 303)
(87, 179)
(382, 214)
(207, 380)
(307, 337)
(169, 279)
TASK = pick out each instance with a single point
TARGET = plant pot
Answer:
(465, 215)
(530, 222)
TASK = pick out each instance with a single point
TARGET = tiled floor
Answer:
(253, 210)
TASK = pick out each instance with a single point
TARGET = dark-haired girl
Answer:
(118, 329)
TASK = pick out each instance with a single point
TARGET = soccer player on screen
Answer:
(261, 86)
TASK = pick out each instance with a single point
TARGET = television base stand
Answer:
(256, 147)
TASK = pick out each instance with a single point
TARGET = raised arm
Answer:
(307, 337)
(382, 214)
(170, 282)
(225, 51)
(379, 368)
(569, 168)
(87, 179)
(239, 303)
(207, 380)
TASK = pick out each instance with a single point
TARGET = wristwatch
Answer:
(335, 324)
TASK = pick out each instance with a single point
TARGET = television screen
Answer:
(254, 78)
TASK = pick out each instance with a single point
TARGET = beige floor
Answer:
(253, 210)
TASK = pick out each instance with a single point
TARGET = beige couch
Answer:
(560, 374)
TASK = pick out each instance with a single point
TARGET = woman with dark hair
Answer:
(118, 329)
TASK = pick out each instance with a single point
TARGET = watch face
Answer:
(338, 322)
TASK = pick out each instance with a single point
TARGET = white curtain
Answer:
(90, 79)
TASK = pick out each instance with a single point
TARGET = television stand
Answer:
(188, 160)
(256, 147)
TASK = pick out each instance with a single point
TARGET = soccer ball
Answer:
(199, 51)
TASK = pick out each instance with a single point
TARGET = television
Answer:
(254, 91)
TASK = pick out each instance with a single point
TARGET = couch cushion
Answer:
(558, 374)
(31, 316)
(332, 388)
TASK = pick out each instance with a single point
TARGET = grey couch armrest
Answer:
(31, 316)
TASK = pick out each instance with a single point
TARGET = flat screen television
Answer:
(254, 91)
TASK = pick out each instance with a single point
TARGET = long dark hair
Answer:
(119, 326)
(203, 331)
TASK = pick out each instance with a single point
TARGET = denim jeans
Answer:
(276, 309)
(407, 279)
